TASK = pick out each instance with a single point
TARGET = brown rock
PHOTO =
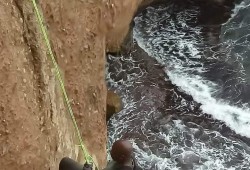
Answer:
(37, 130)
(114, 104)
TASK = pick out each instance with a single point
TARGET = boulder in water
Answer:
(189, 158)
(114, 104)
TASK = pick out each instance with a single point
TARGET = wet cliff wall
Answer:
(35, 129)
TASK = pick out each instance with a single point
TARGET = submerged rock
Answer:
(189, 158)
(114, 104)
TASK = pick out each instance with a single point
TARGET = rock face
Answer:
(114, 104)
(119, 16)
(35, 129)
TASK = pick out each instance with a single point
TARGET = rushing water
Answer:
(187, 99)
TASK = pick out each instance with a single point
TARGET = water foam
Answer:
(185, 77)
(237, 119)
(211, 157)
(150, 157)
(238, 7)
(216, 151)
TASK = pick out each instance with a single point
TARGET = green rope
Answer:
(87, 156)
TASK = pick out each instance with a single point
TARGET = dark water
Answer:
(185, 89)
